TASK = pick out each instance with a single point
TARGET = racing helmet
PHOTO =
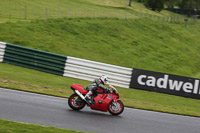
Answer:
(104, 79)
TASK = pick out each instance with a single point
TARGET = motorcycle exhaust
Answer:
(77, 92)
(82, 97)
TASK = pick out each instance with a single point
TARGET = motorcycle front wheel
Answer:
(116, 109)
(75, 102)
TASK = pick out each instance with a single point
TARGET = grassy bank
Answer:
(19, 78)
(29, 10)
(142, 43)
(16, 127)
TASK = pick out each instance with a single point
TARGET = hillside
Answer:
(29, 10)
(141, 43)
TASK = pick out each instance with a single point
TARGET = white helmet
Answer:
(104, 79)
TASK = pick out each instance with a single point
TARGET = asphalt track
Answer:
(54, 111)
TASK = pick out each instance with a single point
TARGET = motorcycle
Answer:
(102, 100)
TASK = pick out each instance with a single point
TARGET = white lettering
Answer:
(175, 85)
(196, 86)
(140, 79)
(151, 81)
(167, 83)
(187, 87)
(199, 90)
(162, 82)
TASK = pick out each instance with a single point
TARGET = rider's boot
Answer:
(88, 96)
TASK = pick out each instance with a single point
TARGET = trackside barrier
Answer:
(2, 50)
(63, 65)
(89, 70)
(34, 59)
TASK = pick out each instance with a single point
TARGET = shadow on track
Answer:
(94, 113)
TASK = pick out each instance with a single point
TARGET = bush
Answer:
(155, 5)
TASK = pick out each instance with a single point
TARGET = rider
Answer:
(97, 83)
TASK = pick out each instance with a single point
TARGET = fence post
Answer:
(69, 13)
(170, 19)
(194, 18)
(108, 2)
(125, 15)
(78, 12)
(87, 13)
(46, 13)
(25, 12)
(186, 21)
(58, 12)
(95, 13)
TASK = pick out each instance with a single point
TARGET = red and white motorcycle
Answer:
(103, 101)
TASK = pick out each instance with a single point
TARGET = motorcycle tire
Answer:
(76, 105)
(116, 110)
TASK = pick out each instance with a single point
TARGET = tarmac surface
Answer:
(54, 111)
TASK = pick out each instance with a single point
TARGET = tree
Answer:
(130, 1)
(155, 5)
(197, 4)
(189, 5)
(171, 3)
(183, 4)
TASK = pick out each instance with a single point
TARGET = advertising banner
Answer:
(165, 83)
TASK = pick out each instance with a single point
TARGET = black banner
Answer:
(165, 83)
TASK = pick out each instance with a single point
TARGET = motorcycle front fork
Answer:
(114, 103)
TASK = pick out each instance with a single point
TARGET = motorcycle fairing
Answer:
(79, 88)
(105, 100)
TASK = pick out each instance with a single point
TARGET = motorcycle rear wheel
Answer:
(116, 110)
(75, 102)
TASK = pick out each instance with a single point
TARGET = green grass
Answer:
(142, 43)
(37, 9)
(17, 127)
(19, 78)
